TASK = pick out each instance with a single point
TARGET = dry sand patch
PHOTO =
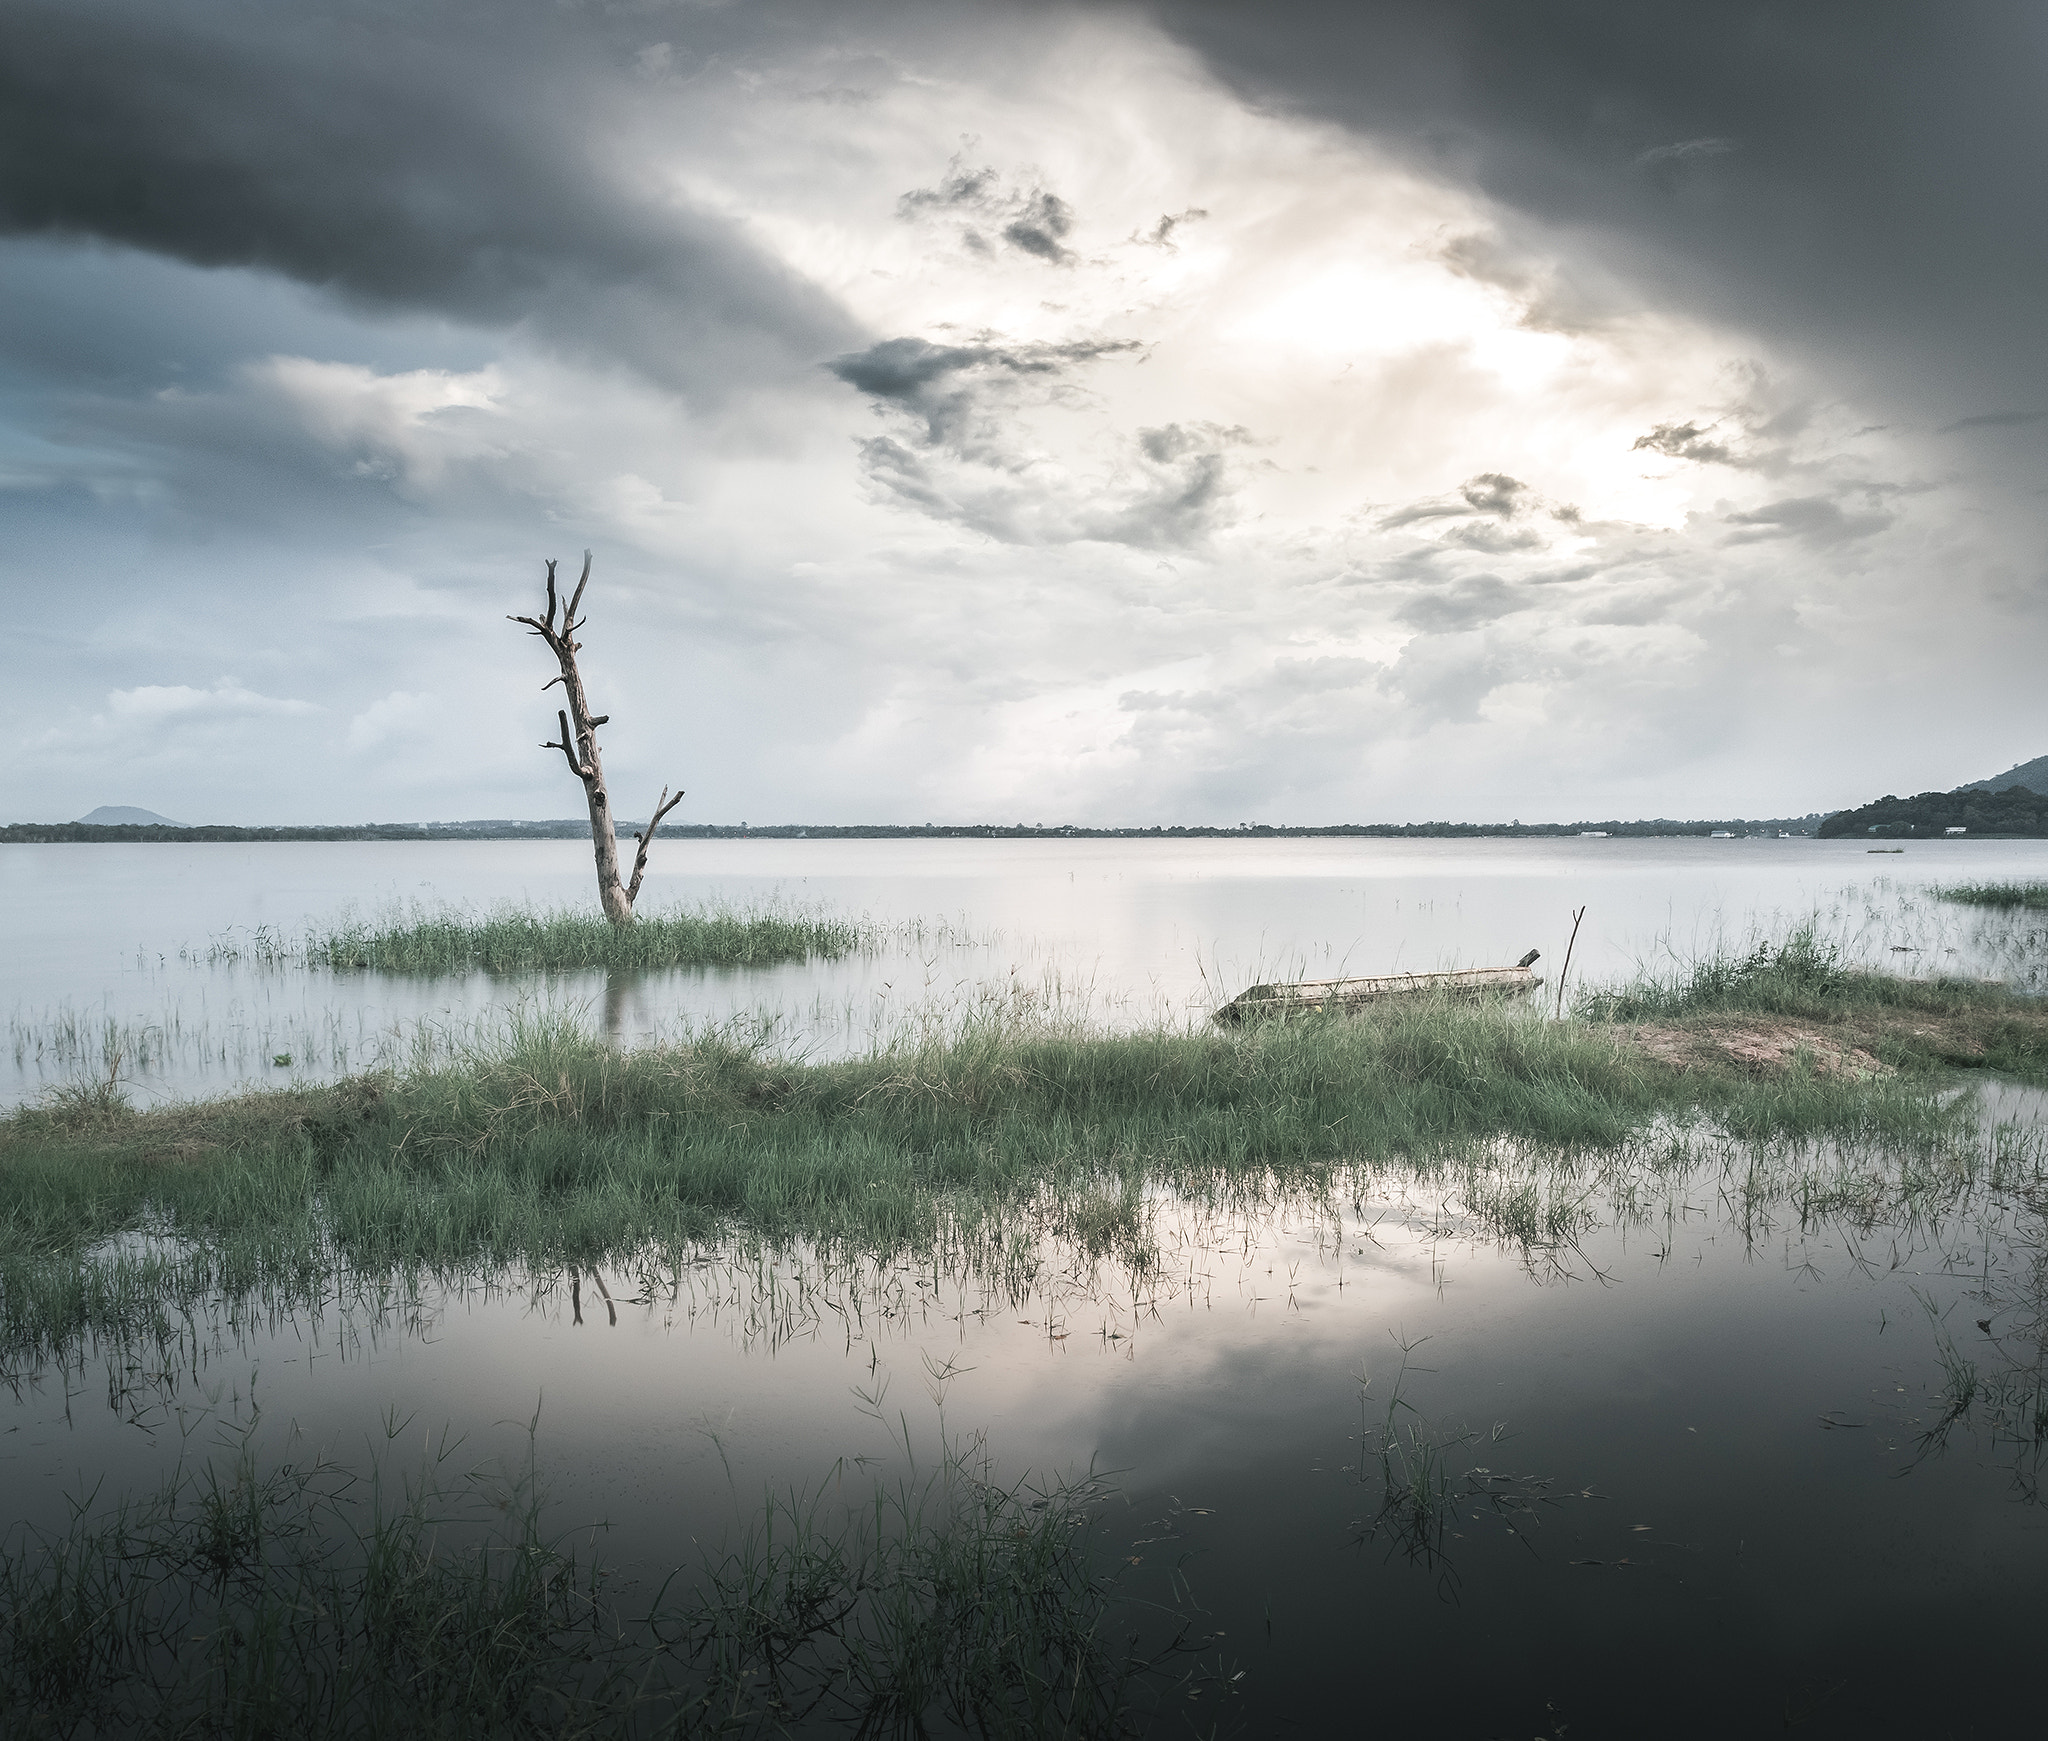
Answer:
(1762, 1045)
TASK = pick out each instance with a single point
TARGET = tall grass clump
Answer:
(1916, 1025)
(2029, 894)
(1799, 975)
(523, 940)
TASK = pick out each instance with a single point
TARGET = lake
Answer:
(107, 946)
(1754, 1442)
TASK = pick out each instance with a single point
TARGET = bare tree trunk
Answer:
(579, 744)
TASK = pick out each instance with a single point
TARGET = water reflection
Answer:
(611, 1311)
(619, 986)
(1751, 1406)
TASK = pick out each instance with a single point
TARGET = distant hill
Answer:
(2014, 812)
(119, 815)
(2032, 775)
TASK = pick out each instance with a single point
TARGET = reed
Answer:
(1988, 894)
(1802, 974)
(437, 941)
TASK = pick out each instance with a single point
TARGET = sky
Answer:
(1112, 414)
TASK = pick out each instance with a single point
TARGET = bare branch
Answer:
(576, 598)
(646, 840)
(567, 748)
(551, 682)
(551, 594)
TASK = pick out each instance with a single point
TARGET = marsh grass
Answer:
(310, 1600)
(1915, 1024)
(1803, 974)
(1987, 894)
(548, 1148)
(444, 941)
(238, 1040)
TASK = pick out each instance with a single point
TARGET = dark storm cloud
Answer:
(1493, 493)
(1041, 228)
(1466, 604)
(1812, 519)
(1161, 234)
(1038, 221)
(961, 456)
(411, 159)
(952, 387)
(968, 189)
(1171, 496)
(1493, 538)
(1996, 420)
(1186, 473)
(1879, 207)
(89, 321)
(1489, 493)
(1687, 441)
(1687, 151)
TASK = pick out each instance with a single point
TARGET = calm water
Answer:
(1699, 1481)
(91, 936)
(1709, 1468)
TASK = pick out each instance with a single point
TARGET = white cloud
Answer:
(407, 427)
(400, 717)
(172, 706)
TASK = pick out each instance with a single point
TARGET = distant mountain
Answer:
(2032, 775)
(127, 816)
(2016, 813)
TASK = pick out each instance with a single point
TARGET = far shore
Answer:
(88, 833)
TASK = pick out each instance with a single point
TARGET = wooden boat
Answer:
(1307, 996)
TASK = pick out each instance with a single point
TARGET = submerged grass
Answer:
(309, 1601)
(1987, 894)
(552, 1149)
(510, 939)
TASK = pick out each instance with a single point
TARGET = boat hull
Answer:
(1307, 997)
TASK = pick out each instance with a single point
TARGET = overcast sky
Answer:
(1192, 412)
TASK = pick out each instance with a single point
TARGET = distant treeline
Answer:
(45, 833)
(2018, 812)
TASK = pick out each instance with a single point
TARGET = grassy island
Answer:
(552, 1147)
(508, 939)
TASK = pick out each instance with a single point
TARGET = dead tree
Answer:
(579, 744)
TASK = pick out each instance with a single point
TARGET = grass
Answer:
(309, 1601)
(2028, 894)
(552, 1149)
(1801, 975)
(509, 939)
(1425, 1483)
(1915, 1025)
